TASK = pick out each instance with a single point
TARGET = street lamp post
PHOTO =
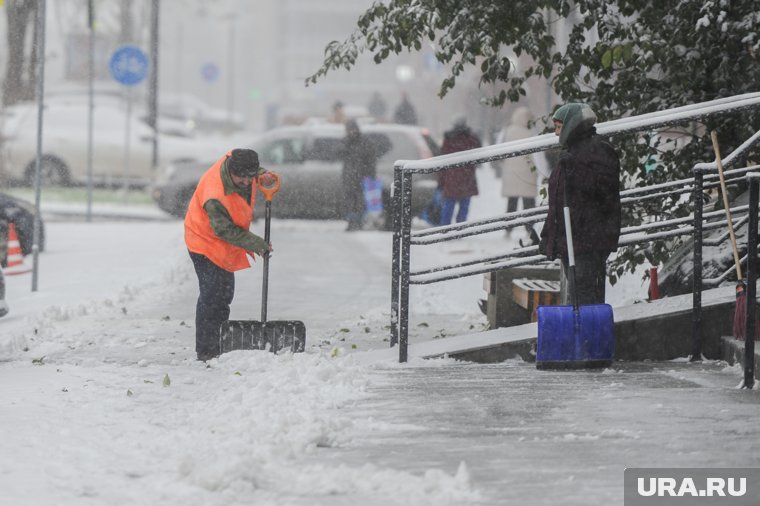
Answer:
(153, 84)
(41, 13)
(230, 67)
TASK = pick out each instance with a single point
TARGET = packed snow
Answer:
(103, 401)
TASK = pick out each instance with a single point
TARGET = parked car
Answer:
(197, 114)
(21, 214)
(308, 158)
(65, 144)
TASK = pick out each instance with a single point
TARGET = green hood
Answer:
(572, 115)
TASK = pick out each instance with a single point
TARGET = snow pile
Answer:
(105, 396)
(249, 428)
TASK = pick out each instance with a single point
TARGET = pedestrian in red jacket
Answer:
(458, 185)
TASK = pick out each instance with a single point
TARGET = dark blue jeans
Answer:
(447, 212)
(217, 288)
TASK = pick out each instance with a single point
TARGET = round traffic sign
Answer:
(210, 72)
(129, 65)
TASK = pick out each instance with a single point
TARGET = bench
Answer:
(531, 293)
(500, 306)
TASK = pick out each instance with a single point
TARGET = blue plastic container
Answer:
(570, 339)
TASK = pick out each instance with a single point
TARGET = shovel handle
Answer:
(269, 184)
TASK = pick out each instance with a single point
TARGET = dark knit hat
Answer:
(243, 163)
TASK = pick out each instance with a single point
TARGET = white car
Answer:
(197, 115)
(122, 146)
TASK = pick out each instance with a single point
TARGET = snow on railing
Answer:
(403, 237)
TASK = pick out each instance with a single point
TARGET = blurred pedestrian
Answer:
(587, 181)
(405, 113)
(218, 238)
(360, 156)
(519, 181)
(459, 184)
(4, 221)
(338, 114)
(377, 107)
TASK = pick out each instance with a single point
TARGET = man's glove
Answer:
(260, 246)
(266, 179)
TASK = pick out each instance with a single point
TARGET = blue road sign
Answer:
(129, 65)
(210, 72)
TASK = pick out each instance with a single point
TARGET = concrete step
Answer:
(656, 330)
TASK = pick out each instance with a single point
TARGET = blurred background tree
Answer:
(21, 69)
(622, 57)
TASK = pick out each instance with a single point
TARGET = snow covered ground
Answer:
(102, 402)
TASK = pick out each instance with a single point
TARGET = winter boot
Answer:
(3, 308)
(534, 240)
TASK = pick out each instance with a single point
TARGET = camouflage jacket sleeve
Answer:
(226, 230)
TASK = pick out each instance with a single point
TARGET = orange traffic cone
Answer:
(15, 263)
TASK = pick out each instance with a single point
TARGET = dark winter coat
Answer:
(359, 161)
(590, 168)
(405, 113)
(458, 182)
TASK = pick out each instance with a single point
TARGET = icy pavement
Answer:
(529, 437)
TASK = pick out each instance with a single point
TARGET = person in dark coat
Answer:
(457, 185)
(377, 107)
(405, 113)
(588, 173)
(360, 156)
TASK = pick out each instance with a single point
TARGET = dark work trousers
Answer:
(591, 276)
(528, 203)
(353, 205)
(217, 287)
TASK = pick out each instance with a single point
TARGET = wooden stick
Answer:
(716, 148)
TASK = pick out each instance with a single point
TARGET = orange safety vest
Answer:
(200, 237)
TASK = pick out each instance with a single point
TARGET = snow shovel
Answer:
(740, 311)
(262, 335)
(574, 337)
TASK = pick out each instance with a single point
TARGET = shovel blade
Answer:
(569, 339)
(254, 335)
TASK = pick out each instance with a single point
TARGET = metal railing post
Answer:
(406, 234)
(696, 335)
(749, 329)
(396, 209)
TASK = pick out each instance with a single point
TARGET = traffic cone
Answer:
(15, 262)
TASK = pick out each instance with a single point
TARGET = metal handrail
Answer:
(710, 171)
(404, 238)
(749, 322)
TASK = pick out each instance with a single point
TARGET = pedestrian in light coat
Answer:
(519, 180)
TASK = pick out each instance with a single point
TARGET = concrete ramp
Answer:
(657, 330)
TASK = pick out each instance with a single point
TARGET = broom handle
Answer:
(716, 148)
